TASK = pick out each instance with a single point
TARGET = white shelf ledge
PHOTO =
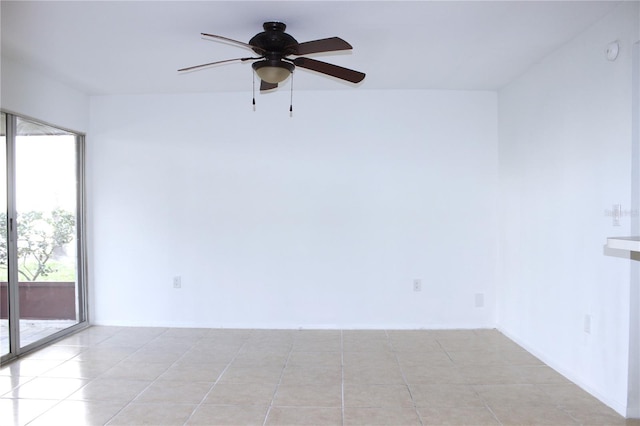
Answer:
(624, 243)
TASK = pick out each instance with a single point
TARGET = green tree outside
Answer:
(40, 235)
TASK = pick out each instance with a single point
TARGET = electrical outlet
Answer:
(417, 285)
(177, 281)
(587, 324)
(616, 214)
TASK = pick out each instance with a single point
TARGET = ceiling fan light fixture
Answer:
(273, 71)
(274, 48)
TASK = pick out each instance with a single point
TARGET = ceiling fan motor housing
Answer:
(274, 45)
(273, 42)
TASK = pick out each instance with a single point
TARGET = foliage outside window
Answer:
(42, 236)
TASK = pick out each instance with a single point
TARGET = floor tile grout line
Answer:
(558, 406)
(445, 351)
(404, 377)
(154, 380)
(275, 392)
(44, 412)
(495, 416)
(224, 370)
(91, 380)
(88, 382)
(150, 384)
(41, 375)
(156, 345)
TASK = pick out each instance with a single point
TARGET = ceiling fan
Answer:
(274, 46)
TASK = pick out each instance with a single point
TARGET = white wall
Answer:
(320, 220)
(565, 158)
(28, 92)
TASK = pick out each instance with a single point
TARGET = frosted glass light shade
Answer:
(273, 72)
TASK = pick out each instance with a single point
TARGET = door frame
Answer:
(82, 305)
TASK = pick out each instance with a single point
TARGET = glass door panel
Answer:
(46, 207)
(4, 248)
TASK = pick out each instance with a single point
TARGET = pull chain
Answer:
(291, 102)
(254, 90)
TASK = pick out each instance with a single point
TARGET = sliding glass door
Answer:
(44, 265)
(4, 271)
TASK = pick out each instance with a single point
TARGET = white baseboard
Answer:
(617, 406)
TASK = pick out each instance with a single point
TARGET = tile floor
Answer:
(160, 376)
(31, 331)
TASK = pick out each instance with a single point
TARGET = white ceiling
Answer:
(108, 47)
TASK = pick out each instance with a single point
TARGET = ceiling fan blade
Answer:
(230, 40)
(324, 45)
(330, 69)
(267, 86)
(196, 67)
